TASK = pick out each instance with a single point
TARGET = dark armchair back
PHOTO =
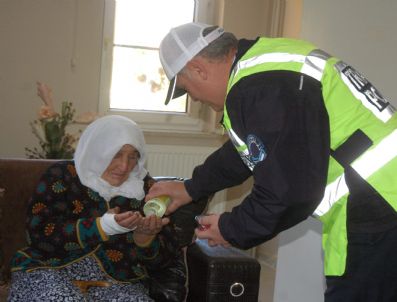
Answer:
(19, 178)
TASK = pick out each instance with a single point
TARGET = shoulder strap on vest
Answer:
(352, 148)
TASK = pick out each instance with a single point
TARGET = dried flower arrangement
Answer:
(50, 127)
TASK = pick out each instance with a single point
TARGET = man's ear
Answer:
(197, 68)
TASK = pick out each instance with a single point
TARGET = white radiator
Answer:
(180, 161)
(175, 160)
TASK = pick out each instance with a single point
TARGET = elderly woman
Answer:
(87, 237)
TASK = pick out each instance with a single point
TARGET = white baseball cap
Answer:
(179, 46)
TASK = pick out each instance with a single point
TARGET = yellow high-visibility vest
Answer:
(355, 108)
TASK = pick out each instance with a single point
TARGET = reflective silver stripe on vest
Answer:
(242, 149)
(366, 165)
(315, 63)
(312, 65)
(237, 141)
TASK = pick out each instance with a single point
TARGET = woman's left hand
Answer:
(151, 225)
(148, 228)
(129, 219)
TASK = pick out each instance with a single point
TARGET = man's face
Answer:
(207, 86)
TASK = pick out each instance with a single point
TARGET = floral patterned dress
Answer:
(67, 244)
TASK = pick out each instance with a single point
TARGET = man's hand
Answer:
(175, 189)
(209, 230)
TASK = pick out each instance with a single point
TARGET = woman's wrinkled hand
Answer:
(129, 219)
(151, 225)
(148, 228)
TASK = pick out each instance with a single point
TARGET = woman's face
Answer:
(121, 166)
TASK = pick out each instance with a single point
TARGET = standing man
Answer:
(315, 135)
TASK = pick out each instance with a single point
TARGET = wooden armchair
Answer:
(206, 266)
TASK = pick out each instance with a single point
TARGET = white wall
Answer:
(299, 275)
(55, 41)
(362, 33)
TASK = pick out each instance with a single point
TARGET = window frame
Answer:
(198, 118)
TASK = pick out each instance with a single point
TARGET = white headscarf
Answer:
(97, 146)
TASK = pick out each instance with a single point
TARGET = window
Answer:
(132, 80)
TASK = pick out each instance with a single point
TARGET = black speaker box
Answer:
(221, 274)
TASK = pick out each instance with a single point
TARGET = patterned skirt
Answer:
(70, 284)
